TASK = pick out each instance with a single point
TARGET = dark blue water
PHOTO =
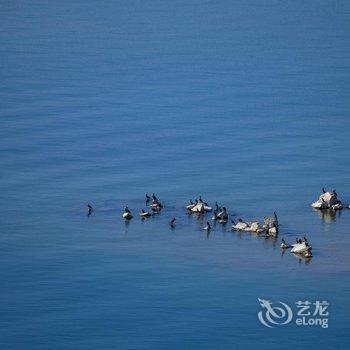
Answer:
(243, 102)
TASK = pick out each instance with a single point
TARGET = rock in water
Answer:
(328, 200)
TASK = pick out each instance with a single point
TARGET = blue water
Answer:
(243, 102)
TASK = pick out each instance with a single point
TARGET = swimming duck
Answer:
(284, 245)
(208, 227)
(207, 207)
(223, 214)
(156, 205)
(172, 222)
(144, 214)
(127, 214)
(308, 254)
(89, 209)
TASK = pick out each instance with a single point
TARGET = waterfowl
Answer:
(156, 205)
(148, 198)
(127, 214)
(144, 214)
(284, 245)
(223, 214)
(216, 206)
(308, 254)
(191, 205)
(207, 208)
(208, 227)
(172, 222)
(89, 209)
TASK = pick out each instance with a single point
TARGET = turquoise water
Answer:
(243, 102)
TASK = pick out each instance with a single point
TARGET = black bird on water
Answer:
(172, 222)
(89, 209)
(208, 227)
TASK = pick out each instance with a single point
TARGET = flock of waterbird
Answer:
(268, 227)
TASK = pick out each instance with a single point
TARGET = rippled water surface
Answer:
(243, 102)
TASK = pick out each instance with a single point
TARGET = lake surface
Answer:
(243, 102)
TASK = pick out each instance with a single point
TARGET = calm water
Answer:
(243, 102)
